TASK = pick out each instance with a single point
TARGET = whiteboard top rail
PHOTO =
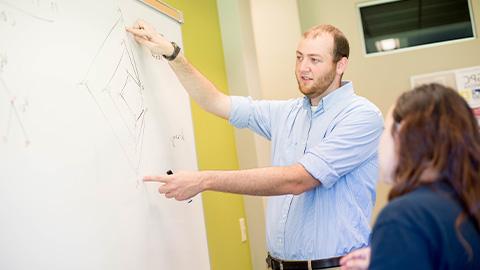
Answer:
(165, 9)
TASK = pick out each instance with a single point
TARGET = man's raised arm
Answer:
(198, 86)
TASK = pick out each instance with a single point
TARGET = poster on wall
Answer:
(465, 80)
(468, 85)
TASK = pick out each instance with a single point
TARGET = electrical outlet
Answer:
(243, 229)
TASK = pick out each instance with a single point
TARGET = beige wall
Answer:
(243, 80)
(276, 29)
(259, 39)
(382, 78)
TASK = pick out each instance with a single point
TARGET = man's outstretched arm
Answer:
(267, 181)
(198, 86)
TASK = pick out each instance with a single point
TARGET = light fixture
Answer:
(387, 44)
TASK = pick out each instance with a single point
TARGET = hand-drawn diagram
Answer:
(15, 99)
(16, 110)
(113, 81)
(44, 11)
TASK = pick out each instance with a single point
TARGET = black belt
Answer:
(277, 264)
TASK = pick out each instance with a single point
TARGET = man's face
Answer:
(315, 69)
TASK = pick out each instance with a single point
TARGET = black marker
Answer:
(169, 172)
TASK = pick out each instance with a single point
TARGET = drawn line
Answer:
(101, 47)
(122, 91)
(116, 69)
(14, 109)
(142, 133)
(126, 103)
(132, 134)
(140, 115)
(139, 84)
(125, 152)
(20, 122)
(132, 60)
(27, 12)
(130, 50)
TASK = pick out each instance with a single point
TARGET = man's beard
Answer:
(319, 86)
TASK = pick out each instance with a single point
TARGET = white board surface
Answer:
(85, 112)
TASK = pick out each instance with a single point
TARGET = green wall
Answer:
(215, 142)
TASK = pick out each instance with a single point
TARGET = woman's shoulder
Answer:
(425, 217)
(422, 204)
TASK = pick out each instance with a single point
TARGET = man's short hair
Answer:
(340, 42)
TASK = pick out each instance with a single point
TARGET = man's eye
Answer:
(316, 60)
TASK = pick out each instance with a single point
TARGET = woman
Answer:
(430, 151)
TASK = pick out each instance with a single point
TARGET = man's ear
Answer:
(342, 65)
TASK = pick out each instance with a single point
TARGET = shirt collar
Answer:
(336, 96)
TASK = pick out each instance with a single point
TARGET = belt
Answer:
(277, 264)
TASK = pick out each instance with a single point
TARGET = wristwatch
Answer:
(171, 57)
(176, 50)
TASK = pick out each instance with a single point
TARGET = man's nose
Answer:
(304, 66)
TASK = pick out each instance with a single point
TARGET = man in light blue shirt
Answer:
(336, 144)
(324, 152)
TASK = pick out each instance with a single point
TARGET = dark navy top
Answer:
(417, 231)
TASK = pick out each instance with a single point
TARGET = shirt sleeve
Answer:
(397, 246)
(253, 114)
(351, 142)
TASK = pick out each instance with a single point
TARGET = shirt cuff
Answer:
(319, 169)
(241, 109)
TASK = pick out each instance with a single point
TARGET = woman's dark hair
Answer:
(436, 131)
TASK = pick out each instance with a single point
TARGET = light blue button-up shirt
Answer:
(337, 144)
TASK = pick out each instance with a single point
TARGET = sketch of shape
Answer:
(14, 108)
(45, 12)
(3, 61)
(15, 111)
(113, 81)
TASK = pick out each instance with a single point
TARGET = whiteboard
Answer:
(85, 112)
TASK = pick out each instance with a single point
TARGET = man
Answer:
(324, 152)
